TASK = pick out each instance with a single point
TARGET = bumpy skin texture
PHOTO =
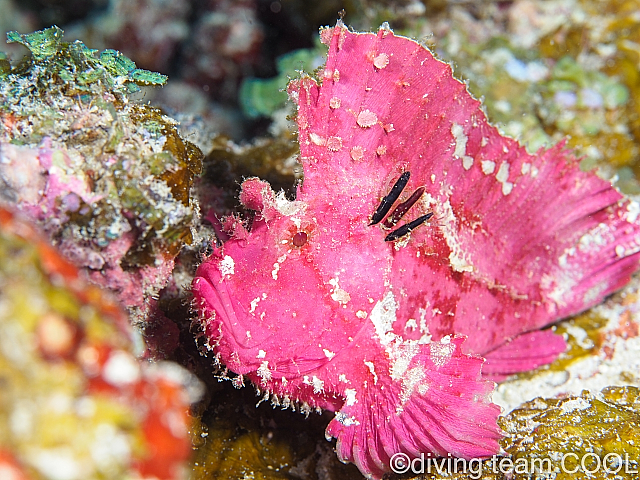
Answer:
(390, 334)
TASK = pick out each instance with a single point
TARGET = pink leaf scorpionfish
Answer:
(421, 258)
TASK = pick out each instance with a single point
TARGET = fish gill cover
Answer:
(420, 260)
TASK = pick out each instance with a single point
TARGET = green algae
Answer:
(74, 62)
(263, 97)
(42, 44)
(271, 159)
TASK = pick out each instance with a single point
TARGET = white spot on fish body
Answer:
(441, 352)
(328, 353)
(345, 420)
(367, 118)
(460, 139)
(503, 176)
(488, 167)
(263, 371)
(382, 316)
(337, 294)
(318, 385)
(317, 139)
(357, 153)
(226, 266)
(503, 172)
(381, 61)
(334, 144)
(461, 146)
(372, 369)
(350, 395)
(315, 382)
(254, 304)
(411, 324)
(413, 378)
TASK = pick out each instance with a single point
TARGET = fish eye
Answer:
(299, 239)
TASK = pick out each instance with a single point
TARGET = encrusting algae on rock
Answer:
(108, 178)
(368, 295)
(592, 435)
(399, 314)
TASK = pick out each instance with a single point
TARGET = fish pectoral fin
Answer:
(434, 402)
(524, 352)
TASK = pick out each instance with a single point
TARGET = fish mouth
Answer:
(212, 292)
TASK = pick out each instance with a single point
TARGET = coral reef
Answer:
(75, 402)
(108, 179)
(116, 187)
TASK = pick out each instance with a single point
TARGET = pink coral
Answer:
(383, 315)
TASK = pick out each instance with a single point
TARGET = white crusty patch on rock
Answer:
(121, 369)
